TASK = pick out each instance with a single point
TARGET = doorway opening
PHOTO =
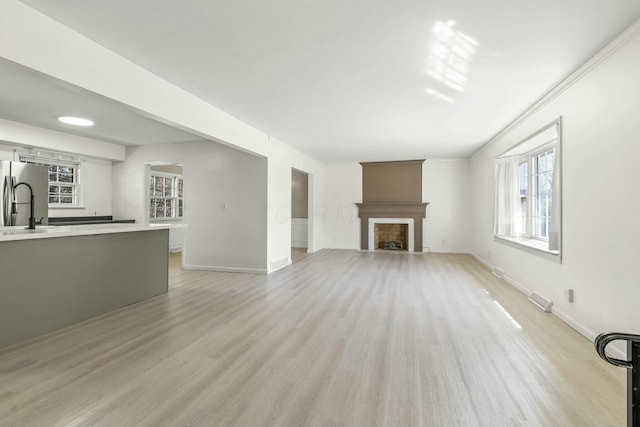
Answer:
(166, 199)
(299, 214)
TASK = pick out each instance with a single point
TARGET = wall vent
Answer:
(498, 272)
(541, 302)
(278, 264)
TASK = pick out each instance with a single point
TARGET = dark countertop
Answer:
(86, 220)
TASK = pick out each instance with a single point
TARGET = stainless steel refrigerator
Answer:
(15, 201)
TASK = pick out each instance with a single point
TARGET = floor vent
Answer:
(498, 272)
(541, 302)
(278, 264)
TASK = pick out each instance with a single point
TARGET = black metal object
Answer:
(633, 369)
(86, 220)
(32, 203)
(392, 245)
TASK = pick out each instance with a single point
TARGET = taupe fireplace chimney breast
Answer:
(392, 190)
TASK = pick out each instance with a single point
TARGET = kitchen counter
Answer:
(53, 277)
(49, 231)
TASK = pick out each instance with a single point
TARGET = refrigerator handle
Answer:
(7, 192)
(12, 211)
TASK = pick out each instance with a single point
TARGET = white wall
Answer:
(95, 189)
(225, 194)
(601, 231)
(446, 187)
(342, 190)
(281, 159)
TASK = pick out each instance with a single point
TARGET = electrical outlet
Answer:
(443, 242)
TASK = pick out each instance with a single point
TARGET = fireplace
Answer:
(392, 199)
(391, 237)
(410, 215)
(393, 230)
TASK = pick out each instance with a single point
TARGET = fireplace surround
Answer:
(391, 213)
(392, 194)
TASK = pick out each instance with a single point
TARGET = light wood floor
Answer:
(298, 254)
(340, 338)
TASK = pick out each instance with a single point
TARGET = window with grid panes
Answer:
(63, 180)
(166, 196)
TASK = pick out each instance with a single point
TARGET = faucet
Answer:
(14, 207)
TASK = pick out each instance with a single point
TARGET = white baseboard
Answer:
(577, 326)
(225, 269)
(281, 267)
(279, 264)
(482, 261)
(428, 250)
(175, 248)
(299, 244)
(612, 349)
(519, 286)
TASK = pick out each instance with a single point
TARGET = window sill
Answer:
(534, 246)
(164, 220)
(66, 207)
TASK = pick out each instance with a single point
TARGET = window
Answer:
(535, 171)
(166, 196)
(528, 191)
(542, 175)
(63, 188)
(64, 177)
(523, 181)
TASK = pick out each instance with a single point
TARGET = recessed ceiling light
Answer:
(75, 121)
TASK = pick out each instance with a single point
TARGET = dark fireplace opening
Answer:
(392, 237)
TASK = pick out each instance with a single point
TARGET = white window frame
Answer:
(174, 197)
(76, 195)
(527, 150)
(530, 214)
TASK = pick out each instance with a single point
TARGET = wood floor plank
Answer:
(339, 338)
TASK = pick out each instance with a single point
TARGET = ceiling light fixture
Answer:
(75, 121)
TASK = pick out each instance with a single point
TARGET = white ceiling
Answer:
(30, 97)
(357, 80)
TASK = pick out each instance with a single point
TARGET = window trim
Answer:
(532, 245)
(531, 176)
(75, 163)
(529, 245)
(175, 177)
